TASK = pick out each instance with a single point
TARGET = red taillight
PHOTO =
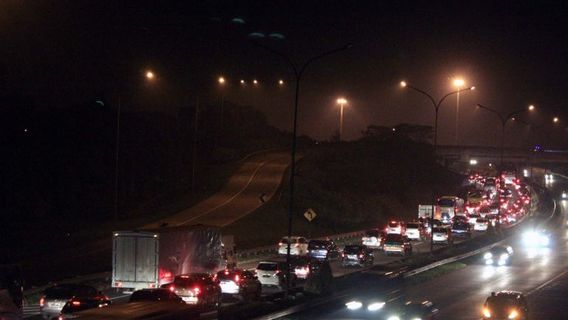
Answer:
(226, 272)
(361, 256)
(280, 243)
(118, 284)
(343, 255)
(237, 278)
(76, 303)
(196, 291)
(42, 301)
(172, 288)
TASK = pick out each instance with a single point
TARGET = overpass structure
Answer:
(485, 155)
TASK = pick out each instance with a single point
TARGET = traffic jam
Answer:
(148, 277)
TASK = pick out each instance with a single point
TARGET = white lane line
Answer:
(556, 277)
(228, 200)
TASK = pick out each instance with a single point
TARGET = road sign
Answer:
(310, 214)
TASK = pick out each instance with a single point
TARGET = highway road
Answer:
(460, 294)
(259, 176)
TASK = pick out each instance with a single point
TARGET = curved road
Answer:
(460, 294)
(258, 177)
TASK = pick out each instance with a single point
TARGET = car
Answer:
(81, 304)
(396, 227)
(461, 229)
(472, 218)
(274, 273)
(399, 244)
(481, 224)
(505, 305)
(58, 297)
(494, 208)
(298, 246)
(483, 211)
(357, 255)
(322, 249)
(474, 200)
(412, 310)
(200, 289)
(373, 239)
(414, 230)
(536, 238)
(564, 195)
(155, 295)
(442, 235)
(239, 283)
(499, 255)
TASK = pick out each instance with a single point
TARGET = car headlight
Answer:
(513, 314)
(487, 256)
(354, 305)
(416, 318)
(393, 318)
(544, 240)
(486, 313)
(375, 306)
(504, 256)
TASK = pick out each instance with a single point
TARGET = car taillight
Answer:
(361, 256)
(343, 255)
(75, 303)
(172, 288)
(196, 290)
(280, 243)
(42, 301)
(237, 278)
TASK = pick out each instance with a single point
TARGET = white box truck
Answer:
(151, 258)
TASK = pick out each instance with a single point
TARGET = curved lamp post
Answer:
(436, 105)
(298, 73)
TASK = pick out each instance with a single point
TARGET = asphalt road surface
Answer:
(460, 294)
(255, 182)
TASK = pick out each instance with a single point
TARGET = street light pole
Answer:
(298, 72)
(436, 106)
(504, 118)
(116, 158)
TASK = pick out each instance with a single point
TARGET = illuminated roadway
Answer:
(461, 293)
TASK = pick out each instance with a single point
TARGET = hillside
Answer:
(351, 186)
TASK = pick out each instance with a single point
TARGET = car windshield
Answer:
(474, 194)
(318, 244)
(284, 241)
(440, 230)
(394, 224)
(352, 249)
(413, 225)
(267, 266)
(481, 220)
(393, 238)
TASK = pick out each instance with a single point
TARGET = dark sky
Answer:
(515, 53)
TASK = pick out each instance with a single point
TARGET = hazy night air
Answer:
(513, 53)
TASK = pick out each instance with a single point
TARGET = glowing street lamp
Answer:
(221, 80)
(342, 102)
(281, 82)
(255, 82)
(242, 81)
(555, 119)
(150, 75)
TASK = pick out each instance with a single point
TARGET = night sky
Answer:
(60, 53)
